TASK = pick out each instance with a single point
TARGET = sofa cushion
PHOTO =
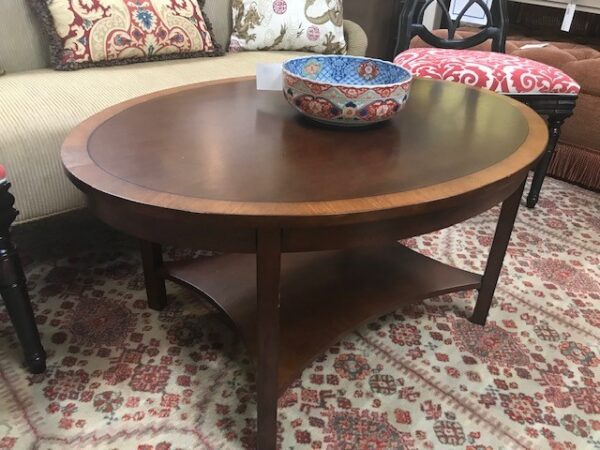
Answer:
(580, 62)
(39, 108)
(23, 45)
(110, 32)
(587, 73)
(506, 74)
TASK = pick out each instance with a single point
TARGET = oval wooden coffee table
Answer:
(222, 167)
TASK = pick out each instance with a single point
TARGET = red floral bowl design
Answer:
(345, 90)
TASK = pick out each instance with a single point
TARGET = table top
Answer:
(223, 148)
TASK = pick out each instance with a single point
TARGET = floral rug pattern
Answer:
(125, 377)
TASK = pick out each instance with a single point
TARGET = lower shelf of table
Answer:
(323, 294)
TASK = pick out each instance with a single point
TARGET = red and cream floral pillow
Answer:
(85, 33)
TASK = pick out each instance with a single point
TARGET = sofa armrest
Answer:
(356, 38)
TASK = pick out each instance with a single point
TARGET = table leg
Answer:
(506, 222)
(152, 263)
(268, 268)
(13, 288)
(554, 126)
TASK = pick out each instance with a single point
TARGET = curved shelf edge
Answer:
(324, 295)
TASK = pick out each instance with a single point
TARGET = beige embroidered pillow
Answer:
(86, 33)
(304, 25)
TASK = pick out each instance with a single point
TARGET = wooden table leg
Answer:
(506, 222)
(268, 272)
(554, 125)
(152, 263)
(13, 288)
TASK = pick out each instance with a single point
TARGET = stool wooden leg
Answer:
(152, 262)
(268, 265)
(506, 222)
(554, 125)
(13, 288)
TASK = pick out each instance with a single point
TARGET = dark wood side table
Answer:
(308, 216)
(13, 285)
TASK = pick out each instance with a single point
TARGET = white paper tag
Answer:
(526, 46)
(268, 77)
(569, 13)
(474, 15)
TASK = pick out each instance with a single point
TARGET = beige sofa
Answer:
(39, 106)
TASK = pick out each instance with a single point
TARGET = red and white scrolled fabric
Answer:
(506, 74)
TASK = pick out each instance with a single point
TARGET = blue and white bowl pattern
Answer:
(345, 90)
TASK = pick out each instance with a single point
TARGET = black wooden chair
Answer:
(547, 90)
(13, 285)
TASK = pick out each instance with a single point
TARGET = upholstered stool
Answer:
(576, 158)
(546, 89)
(499, 72)
(577, 155)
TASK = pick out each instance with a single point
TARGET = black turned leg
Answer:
(554, 125)
(152, 263)
(506, 222)
(268, 267)
(13, 287)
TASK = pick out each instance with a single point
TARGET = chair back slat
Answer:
(413, 13)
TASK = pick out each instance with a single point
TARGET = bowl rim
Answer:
(357, 86)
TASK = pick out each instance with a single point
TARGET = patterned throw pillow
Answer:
(87, 33)
(304, 25)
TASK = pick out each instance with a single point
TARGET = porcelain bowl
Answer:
(345, 90)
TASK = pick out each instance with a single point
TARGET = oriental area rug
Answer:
(122, 376)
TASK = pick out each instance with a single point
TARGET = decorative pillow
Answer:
(304, 25)
(87, 33)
